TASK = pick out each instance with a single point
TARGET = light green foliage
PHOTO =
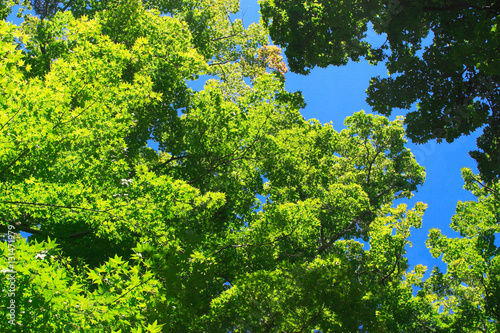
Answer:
(125, 238)
(312, 286)
(54, 296)
(469, 291)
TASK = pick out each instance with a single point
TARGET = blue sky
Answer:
(334, 93)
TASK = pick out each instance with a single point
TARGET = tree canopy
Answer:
(126, 238)
(454, 79)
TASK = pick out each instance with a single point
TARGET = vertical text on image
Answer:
(11, 274)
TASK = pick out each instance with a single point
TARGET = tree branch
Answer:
(382, 193)
(19, 227)
(423, 325)
(173, 158)
(224, 37)
(398, 255)
(460, 6)
(25, 152)
(486, 187)
(56, 206)
(28, 229)
(250, 245)
(80, 234)
(212, 168)
(322, 248)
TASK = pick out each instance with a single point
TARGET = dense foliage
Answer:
(126, 238)
(455, 78)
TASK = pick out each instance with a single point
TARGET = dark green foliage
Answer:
(455, 79)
